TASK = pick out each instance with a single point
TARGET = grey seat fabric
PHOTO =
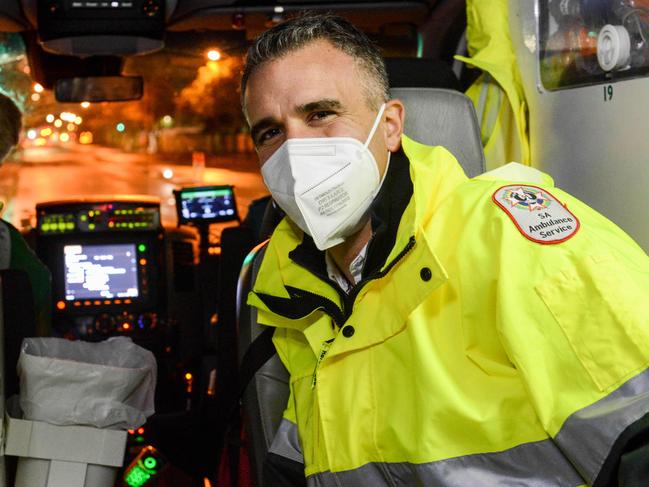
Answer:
(266, 395)
(436, 116)
(433, 117)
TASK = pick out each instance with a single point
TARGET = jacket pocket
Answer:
(602, 307)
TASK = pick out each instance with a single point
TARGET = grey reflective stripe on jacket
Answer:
(586, 438)
(538, 464)
(286, 442)
(588, 435)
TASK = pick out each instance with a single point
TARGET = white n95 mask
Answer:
(325, 185)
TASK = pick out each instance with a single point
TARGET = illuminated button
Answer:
(84, 218)
(126, 326)
(107, 301)
(77, 304)
(118, 301)
(141, 247)
(150, 462)
(69, 226)
(87, 303)
(111, 224)
(91, 213)
(140, 431)
(96, 302)
(91, 226)
(45, 227)
(142, 261)
(60, 305)
(127, 301)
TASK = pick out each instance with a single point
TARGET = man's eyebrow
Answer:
(324, 104)
(264, 123)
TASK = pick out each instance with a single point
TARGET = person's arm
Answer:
(284, 463)
(577, 330)
(23, 258)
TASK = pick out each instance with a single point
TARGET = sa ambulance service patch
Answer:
(538, 215)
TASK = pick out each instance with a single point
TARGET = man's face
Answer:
(315, 91)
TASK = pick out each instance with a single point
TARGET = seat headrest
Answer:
(436, 116)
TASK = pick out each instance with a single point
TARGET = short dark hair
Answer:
(296, 33)
(10, 125)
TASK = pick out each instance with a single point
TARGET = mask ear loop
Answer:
(377, 120)
(369, 139)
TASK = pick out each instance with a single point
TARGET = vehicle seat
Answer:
(433, 116)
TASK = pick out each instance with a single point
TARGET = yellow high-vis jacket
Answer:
(502, 340)
(498, 93)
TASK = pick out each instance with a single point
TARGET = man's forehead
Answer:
(314, 72)
(297, 102)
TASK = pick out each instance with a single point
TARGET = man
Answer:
(438, 331)
(14, 251)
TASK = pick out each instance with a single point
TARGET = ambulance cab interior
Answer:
(182, 288)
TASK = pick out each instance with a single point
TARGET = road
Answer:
(62, 172)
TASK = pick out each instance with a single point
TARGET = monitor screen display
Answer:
(100, 271)
(207, 204)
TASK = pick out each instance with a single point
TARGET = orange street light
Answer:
(213, 54)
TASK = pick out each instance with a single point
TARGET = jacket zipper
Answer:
(323, 353)
(349, 299)
(348, 305)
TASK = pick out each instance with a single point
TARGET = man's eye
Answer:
(267, 135)
(321, 115)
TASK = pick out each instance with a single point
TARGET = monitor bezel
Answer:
(178, 194)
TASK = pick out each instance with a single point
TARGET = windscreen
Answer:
(100, 271)
(207, 204)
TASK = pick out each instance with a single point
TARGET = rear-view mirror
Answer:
(99, 88)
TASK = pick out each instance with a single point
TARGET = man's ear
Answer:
(394, 116)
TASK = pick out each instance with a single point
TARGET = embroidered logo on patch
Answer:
(528, 198)
(537, 214)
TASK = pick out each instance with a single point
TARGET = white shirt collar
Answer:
(355, 269)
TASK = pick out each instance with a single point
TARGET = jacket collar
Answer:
(386, 212)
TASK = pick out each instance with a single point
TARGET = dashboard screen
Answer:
(206, 204)
(107, 271)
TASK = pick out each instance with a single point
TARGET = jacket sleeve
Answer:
(577, 330)
(284, 463)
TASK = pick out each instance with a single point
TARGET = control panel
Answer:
(94, 217)
(82, 27)
(107, 264)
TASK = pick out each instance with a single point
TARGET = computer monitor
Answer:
(206, 204)
(100, 271)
